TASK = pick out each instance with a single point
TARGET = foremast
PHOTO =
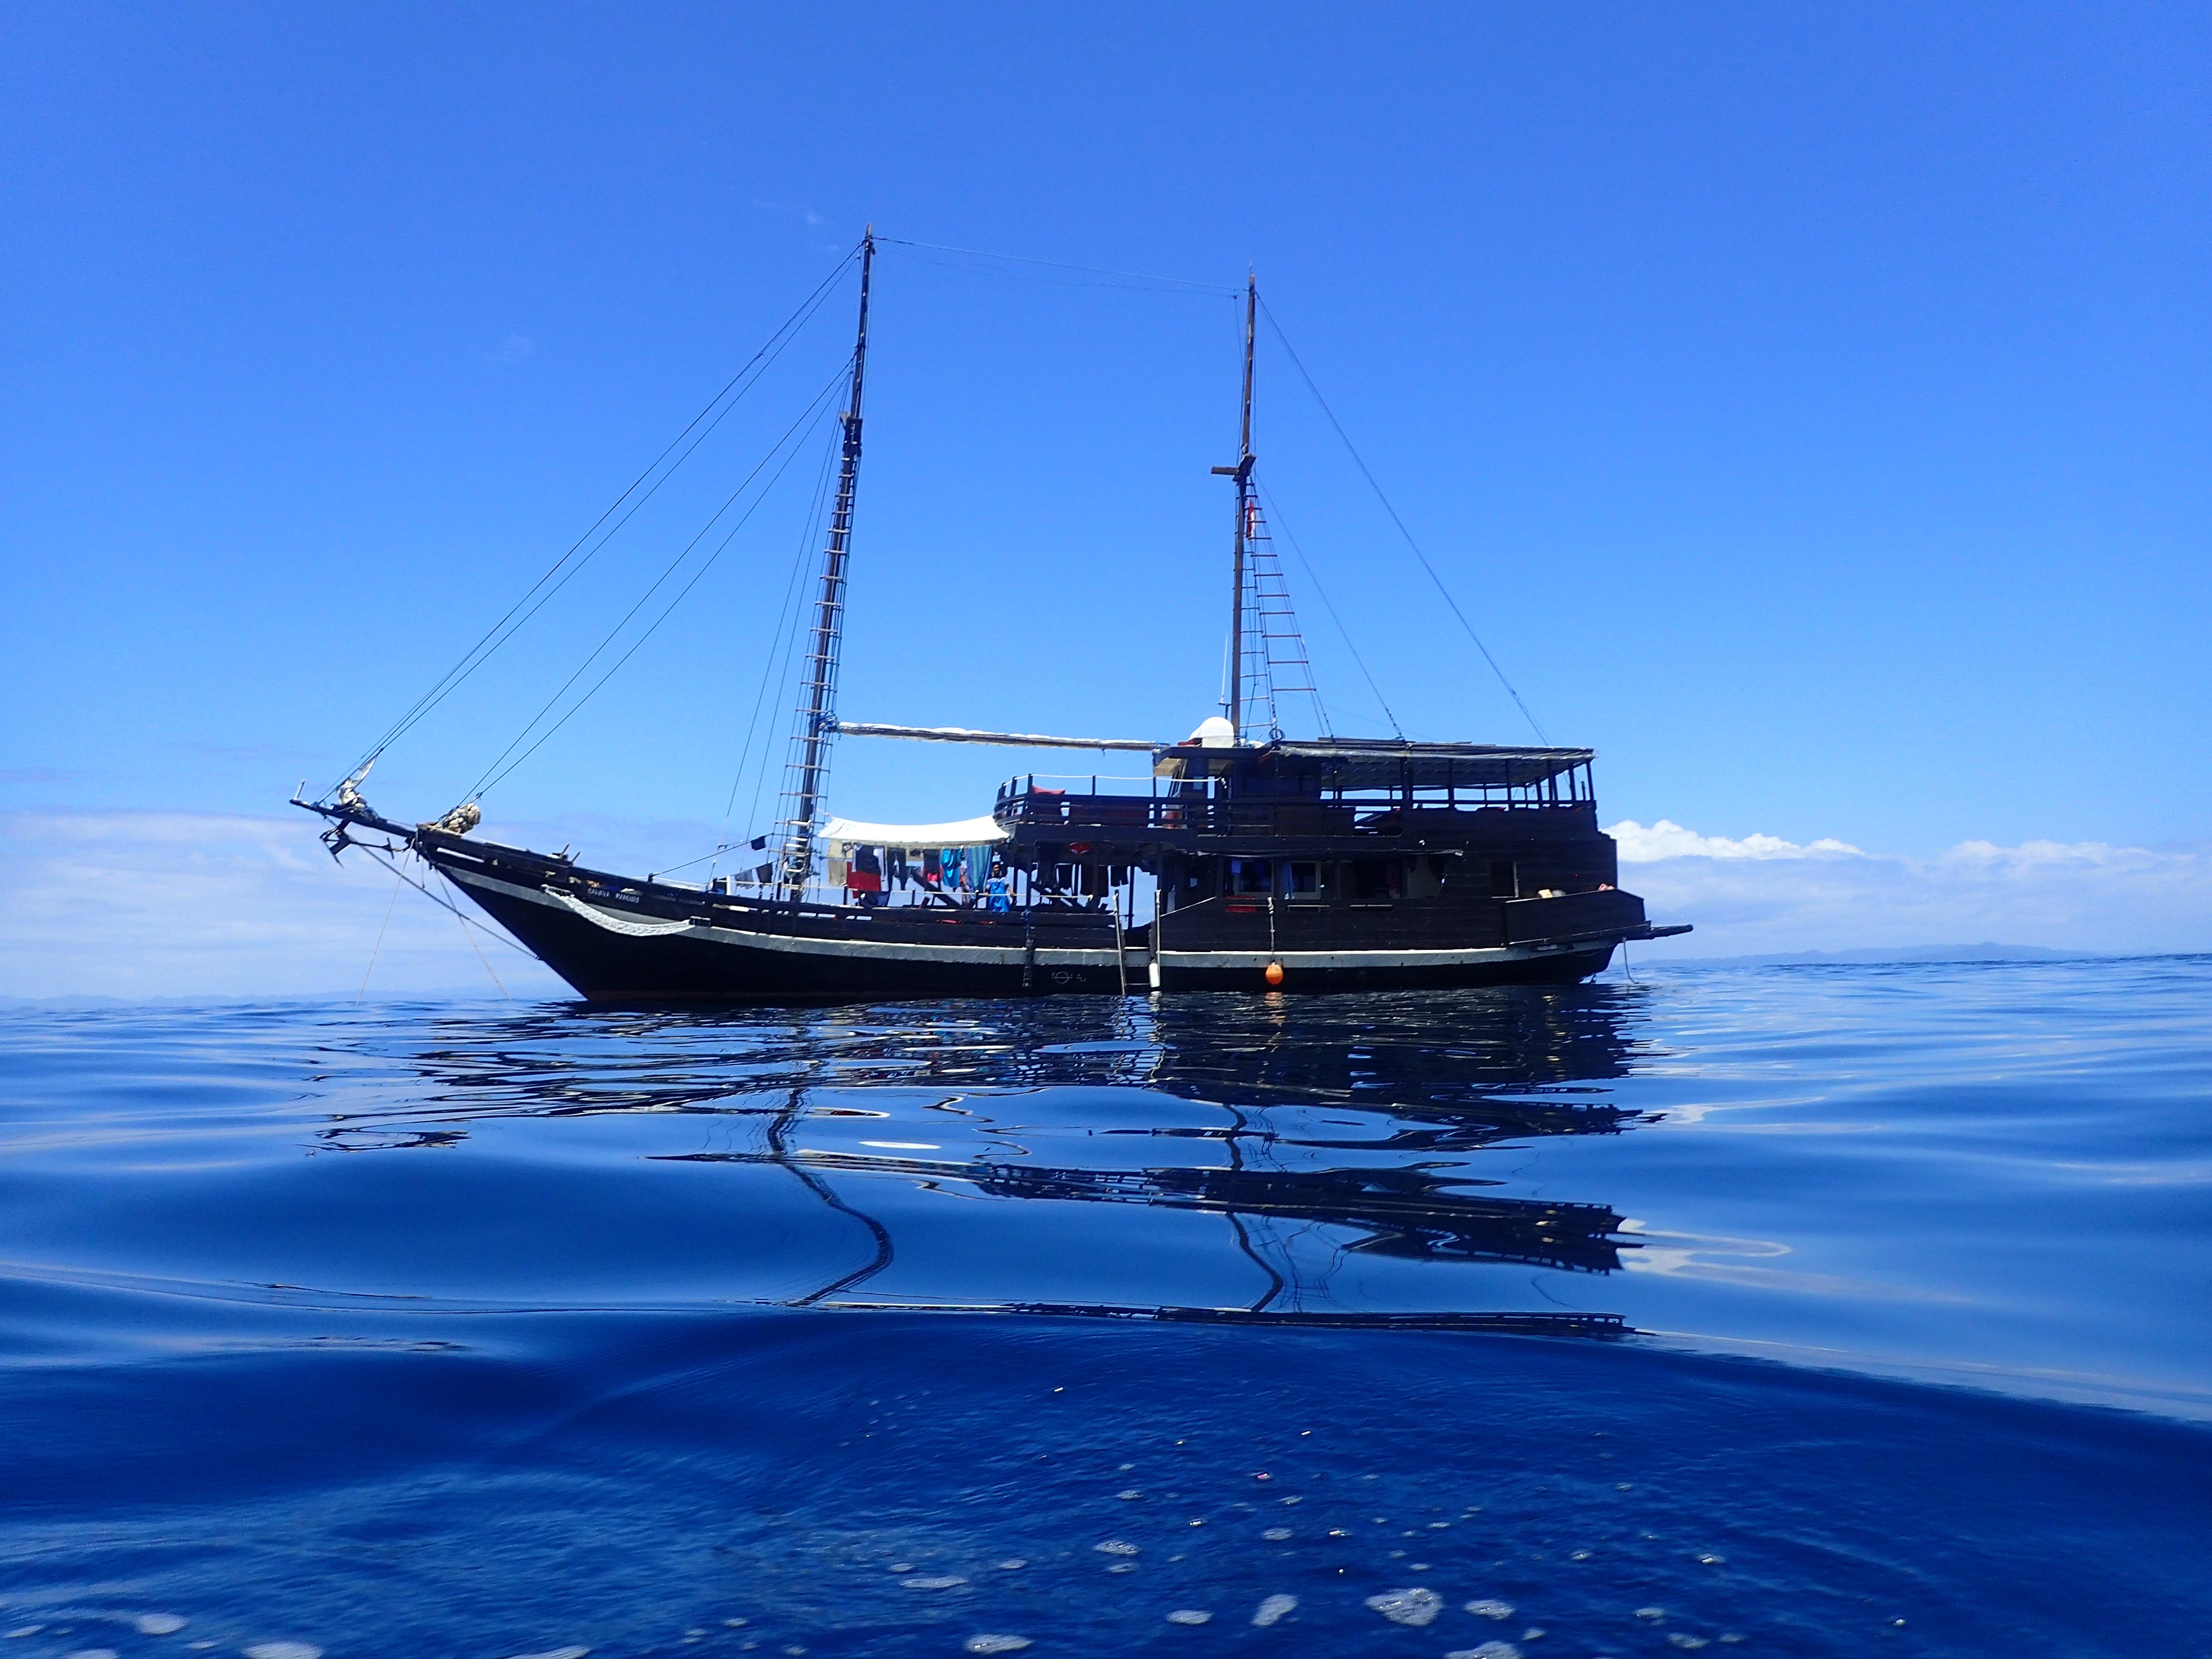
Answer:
(817, 722)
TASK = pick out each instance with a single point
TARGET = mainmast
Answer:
(1234, 704)
(818, 708)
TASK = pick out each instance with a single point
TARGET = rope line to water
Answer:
(438, 898)
(377, 949)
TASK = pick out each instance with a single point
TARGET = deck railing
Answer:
(1136, 817)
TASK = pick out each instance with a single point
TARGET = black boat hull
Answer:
(611, 956)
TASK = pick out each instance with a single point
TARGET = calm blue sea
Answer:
(1781, 1310)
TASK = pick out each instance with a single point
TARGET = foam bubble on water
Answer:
(1294, 1500)
(549, 1653)
(901, 1566)
(94, 1653)
(1340, 1532)
(159, 1624)
(1414, 1607)
(1712, 1560)
(1115, 1547)
(1130, 1495)
(1579, 1555)
(1125, 1468)
(1127, 1567)
(1190, 1616)
(1655, 1614)
(1272, 1610)
(1731, 1636)
(1487, 1650)
(932, 1581)
(24, 1630)
(1688, 1644)
(736, 1623)
(1533, 1633)
(1623, 1485)
(1012, 1564)
(1277, 1533)
(309, 1650)
(1490, 1607)
(990, 1643)
(196, 1646)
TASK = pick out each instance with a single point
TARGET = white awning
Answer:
(841, 833)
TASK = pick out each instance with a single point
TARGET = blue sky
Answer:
(1807, 405)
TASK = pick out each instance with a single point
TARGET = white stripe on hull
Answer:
(992, 956)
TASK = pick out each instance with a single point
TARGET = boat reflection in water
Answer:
(1189, 1158)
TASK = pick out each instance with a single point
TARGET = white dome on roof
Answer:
(1213, 732)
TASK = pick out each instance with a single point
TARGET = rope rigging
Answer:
(815, 410)
(534, 599)
(1352, 450)
(1174, 284)
(1275, 513)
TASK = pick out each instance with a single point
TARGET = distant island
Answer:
(1986, 951)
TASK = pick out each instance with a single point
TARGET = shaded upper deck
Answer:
(1487, 773)
(1331, 790)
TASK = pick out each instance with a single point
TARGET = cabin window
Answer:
(1424, 876)
(1504, 879)
(1375, 879)
(1251, 875)
(1302, 879)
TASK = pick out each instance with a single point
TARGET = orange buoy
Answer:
(1274, 973)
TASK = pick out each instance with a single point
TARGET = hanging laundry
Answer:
(866, 875)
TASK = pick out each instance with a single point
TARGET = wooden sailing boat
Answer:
(1304, 864)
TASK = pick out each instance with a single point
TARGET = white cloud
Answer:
(1668, 840)
(147, 904)
(151, 904)
(1761, 894)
